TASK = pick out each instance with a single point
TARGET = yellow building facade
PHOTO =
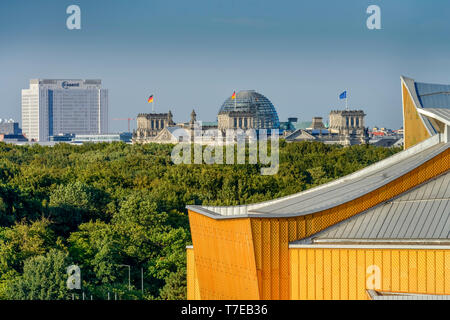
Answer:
(305, 246)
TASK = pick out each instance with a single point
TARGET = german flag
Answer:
(233, 96)
(150, 99)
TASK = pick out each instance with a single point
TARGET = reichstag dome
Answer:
(249, 109)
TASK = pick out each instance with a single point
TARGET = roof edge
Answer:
(399, 246)
(429, 113)
(251, 210)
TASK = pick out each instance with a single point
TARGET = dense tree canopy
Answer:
(105, 207)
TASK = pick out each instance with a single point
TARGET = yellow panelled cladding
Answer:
(193, 288)
(248, 258)
(414, 130)
(272, 236)
(224, 258)
(342, 274)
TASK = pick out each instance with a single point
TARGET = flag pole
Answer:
(346, 99)
(235, 100)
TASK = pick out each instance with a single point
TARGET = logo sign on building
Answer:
(66, 84)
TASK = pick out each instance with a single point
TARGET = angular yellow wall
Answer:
(271, 237)
(342, 274)
(193, 288)
(249, 258)
(224, 258)
(414, 130)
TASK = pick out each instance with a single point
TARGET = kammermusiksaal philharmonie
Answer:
(380, 233)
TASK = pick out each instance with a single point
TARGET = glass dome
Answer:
(266, 116)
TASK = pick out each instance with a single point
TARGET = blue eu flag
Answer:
(343, 95)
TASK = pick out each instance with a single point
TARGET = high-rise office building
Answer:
(57, 106)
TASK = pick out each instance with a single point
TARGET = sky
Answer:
(193, 54)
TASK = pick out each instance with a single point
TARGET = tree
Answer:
(22, 241)
(112, 204)
(175, 287)
(44, 278)
(74, 203)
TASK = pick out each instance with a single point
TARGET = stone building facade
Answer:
(236, 120)
(346, 127)
(248, 110)
(349, 126)
(150, 124)
(317, 123)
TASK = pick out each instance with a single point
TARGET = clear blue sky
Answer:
(193, 54)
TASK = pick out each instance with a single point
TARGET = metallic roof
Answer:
(337, 192)
(421, 213)
(431, 100)
(433, 95)
(348, 189)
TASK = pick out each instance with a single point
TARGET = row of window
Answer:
(243, 123)
(354, 122)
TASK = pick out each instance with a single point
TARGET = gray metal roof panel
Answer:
(412, 217)
(396, 220)
(443, 220)
(410, 228)
(422, 213)
(433, 95)
(445, 232)
(441, 100)
(380, 219)
(431, 88)
(437, 219)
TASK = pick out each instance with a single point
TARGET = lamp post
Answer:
(142, 281)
